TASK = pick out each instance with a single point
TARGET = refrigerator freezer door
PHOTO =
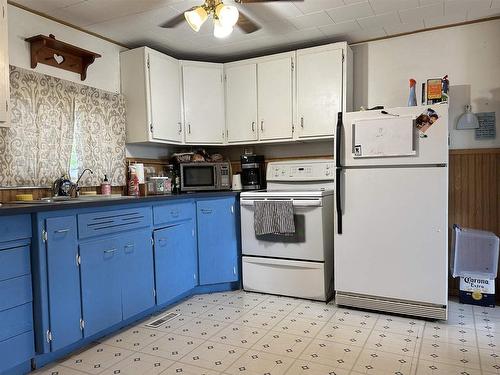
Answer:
(394, 241)
(415, 148)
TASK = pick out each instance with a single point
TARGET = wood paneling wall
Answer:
(474, 198)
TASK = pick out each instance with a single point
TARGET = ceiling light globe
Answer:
(221, 31)
(228, 15)
(196, 17)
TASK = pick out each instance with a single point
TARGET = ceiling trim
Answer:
(45, 15)
(464, 23)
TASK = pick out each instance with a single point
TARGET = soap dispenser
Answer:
(105, 186)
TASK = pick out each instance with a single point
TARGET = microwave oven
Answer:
(205, 176)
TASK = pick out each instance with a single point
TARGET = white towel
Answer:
(273, 217)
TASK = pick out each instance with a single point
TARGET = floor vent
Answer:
(161, 320)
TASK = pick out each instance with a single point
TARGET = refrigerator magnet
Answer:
(425, 120)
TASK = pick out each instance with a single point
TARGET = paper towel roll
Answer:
(139, 171)
(237, 182)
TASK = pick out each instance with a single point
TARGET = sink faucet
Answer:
(76, 187)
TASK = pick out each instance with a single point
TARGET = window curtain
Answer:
(49, 118)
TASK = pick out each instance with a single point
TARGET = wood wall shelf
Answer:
(48, 50)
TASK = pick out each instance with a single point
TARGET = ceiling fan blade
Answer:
(246, 24)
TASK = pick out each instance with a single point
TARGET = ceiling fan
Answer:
(225, 17)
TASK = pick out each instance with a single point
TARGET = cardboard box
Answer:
(477, 291)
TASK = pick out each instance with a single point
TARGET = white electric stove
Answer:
(300, 265)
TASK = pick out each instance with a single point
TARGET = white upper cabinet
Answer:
(152, 89)
(4, 66)
(165, 94)
(203, 94)
(275, 97)
(241, 102)
(319, 91)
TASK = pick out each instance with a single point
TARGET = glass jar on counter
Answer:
(159, 185)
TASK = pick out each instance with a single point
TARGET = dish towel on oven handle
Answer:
(273, 217)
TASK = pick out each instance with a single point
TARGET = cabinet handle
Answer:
(110, 251)
(253, 126)
(232, 209)
(162, 240)
(261, 125)
(189, 128)
(129, 246)
(62, 231)
(205, 211)
(174, 213)
(180, 127)
(302, 121)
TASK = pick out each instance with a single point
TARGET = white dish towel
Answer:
(273, 217)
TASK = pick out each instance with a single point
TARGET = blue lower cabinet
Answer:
(16, 350)
(176, 263)
(101, 284)
(63, 277)
(136, 273)
(217, 241)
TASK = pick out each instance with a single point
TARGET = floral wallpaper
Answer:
(50, 117)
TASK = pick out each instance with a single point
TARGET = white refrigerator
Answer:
(391, 236)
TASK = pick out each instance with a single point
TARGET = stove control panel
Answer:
(306, 170)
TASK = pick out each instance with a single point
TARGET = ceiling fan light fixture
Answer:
(196, 17)
(221, 31)
(227, 14)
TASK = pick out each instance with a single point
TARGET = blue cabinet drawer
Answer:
(170, 212)
(16, 321)
(14, 262)
(16, 350)
(15, 292)
(15, 227)
(109, 222)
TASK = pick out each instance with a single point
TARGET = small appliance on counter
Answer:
(205, 176)
(253, 172)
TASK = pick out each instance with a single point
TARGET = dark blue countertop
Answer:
(27, 208)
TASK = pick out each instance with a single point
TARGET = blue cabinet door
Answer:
(136, 272)
(176, 263)
(217, 241)
(101, 284)
(63, 281)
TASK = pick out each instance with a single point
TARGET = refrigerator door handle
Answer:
(338, 172)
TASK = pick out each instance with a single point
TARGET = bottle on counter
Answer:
(105, 186)
(412, 99)
(133, 184)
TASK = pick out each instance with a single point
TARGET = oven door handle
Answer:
(296, 202)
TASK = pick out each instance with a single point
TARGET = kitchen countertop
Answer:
(27, 208)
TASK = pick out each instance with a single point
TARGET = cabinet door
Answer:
(241, 103)
(136, 273)
(165, 97)
(217, 242)
(4, 66)
(63, 278)
(319, 92)
(176, 263)
(101, 288)
(275, 97)
(203, 103)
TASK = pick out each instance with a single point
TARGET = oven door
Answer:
(197, 177)
(313, 238)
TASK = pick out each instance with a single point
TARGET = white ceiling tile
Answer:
(340, 28)
(466, 4)
(474, 14)
(46, 6)
(422, 13)
(386, 6)
(401, 28)
(445, 20)
(430, 2)
(271, 11)
(312, 20)
(379, 21)
(351, 12)
(363, 35)
(309, 6)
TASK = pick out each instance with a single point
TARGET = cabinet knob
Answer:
(59, 231)
(110, 251)
(262, 125)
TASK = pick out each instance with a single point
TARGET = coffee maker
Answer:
(253, 172)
